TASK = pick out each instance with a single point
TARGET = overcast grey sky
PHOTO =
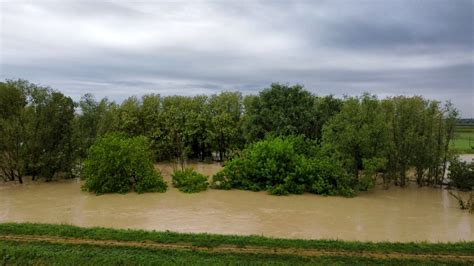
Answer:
(122, 48)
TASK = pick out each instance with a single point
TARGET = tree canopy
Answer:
(45, 134)
(117, 163)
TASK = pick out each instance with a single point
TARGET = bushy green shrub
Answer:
(189, 181)
(117, 163)
(461, 174)
(284, 165)
(220, 180)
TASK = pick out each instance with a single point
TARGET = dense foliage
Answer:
(461, 174)
(189, 181)
(42, 134)
(391, 136)
(36, 131)
(280, 110)
(116, 163)
(282, 166)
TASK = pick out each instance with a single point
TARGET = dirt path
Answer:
(236, 249)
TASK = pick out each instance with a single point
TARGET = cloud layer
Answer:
(123, 48)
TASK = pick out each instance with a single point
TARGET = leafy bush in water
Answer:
(116, 163)
(189, 181)
(461, 174)
(282, 166)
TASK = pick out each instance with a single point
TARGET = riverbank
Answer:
(66, 244)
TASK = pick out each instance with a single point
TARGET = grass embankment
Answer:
(463, 134)
(65, 244)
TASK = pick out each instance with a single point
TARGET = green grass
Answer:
(12, 253)
(462, 134)
(211, 240)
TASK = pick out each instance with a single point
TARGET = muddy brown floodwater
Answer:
(396, 214)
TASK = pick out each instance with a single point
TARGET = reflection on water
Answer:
(410, 214)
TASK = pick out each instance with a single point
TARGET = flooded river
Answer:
(410, 214)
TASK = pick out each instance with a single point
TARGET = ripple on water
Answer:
(410, 214)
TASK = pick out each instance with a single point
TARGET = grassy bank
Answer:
(46, 254)
(462, 135)
(65, 244)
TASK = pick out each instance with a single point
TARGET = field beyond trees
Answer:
(463, 141)
(65, 244)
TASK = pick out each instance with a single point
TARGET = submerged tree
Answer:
(50, 145)
(461, 174)
(13, 135)
(189, 181)
(96, 118)
(42, 134)
(284, 165)
(420, 132)
(37, 131)
(225, 113)
(451, 115)
(358, 137)
(117, 163)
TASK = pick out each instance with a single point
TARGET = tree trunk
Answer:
(12, 175)
(419, 177)
(403, 176)
(438, 153)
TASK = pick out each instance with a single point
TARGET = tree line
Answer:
(44, 133)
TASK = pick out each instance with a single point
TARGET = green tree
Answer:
(418, 135)
(13, 133)
(358, 133)
(225, 112)
(117, 163)
(150, 111)
(198, 127)
(151, 117)
(189, 181)
(450, 118)
(37, 136)
(130, 118)
(185, 128)
(284, 165)
(326, 107)
(175, 135)
(461, 174)
(57, 136)
(280, 110)
(51, 143)
(94, 119)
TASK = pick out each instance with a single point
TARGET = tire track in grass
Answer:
(304, 252)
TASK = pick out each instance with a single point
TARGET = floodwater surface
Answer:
(396, 214)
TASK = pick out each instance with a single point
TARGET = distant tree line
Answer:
(466, 121)
(44, 133)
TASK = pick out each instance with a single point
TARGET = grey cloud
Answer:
(122, 48)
